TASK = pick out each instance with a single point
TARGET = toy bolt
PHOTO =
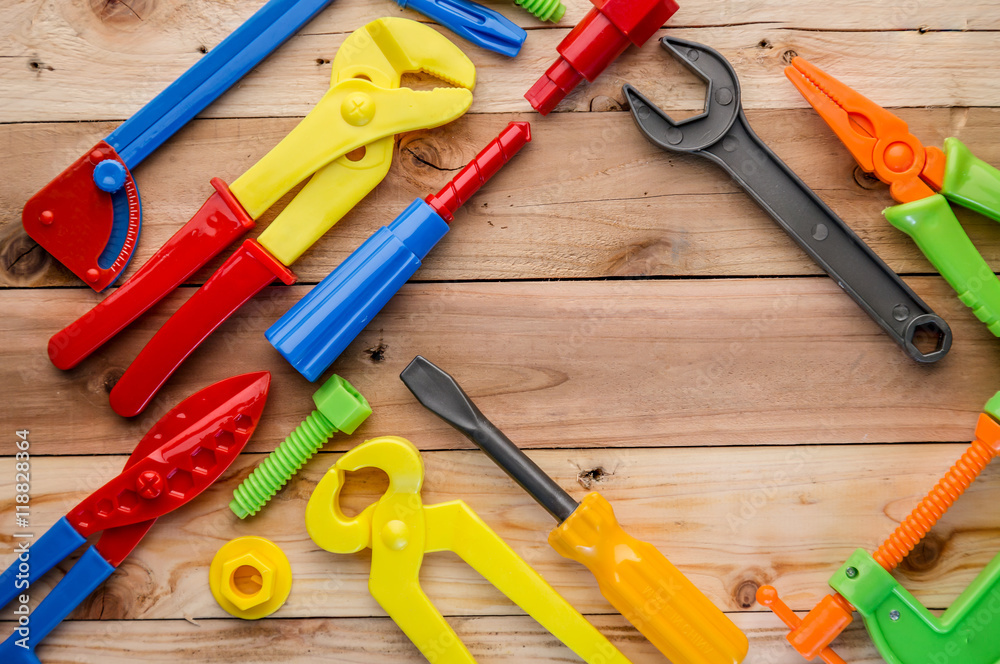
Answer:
(543, 10)
(339, 407)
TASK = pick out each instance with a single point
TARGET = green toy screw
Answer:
(339, 407)
(544, 10)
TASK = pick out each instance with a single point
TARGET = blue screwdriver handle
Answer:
(480, 25)
(212, 75)
(51, 548)
(89, 572)
(320, 326)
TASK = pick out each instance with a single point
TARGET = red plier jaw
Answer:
(880, 141)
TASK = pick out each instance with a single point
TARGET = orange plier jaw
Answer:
(880, 141)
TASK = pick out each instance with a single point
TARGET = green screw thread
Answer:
(544, 10)
(279, 466)
(339, 407)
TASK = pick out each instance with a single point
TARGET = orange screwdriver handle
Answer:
(647, 589)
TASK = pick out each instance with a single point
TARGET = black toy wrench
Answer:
(721, 133)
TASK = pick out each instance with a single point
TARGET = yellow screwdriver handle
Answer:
(647, 589)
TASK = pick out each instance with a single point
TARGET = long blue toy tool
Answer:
(480, 25)
(314, 332)
(88, 217)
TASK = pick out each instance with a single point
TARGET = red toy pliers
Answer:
(923, 179)
(181, 456)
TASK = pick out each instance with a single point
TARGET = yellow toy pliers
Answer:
(400, 529)
(364, 108)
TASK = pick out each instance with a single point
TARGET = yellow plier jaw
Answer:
(385, 49)
(351, 114)
(380, 52)
(400, 529)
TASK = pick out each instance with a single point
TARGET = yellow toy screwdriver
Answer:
(633, 575)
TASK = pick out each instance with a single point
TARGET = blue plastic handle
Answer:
(51, 548)
(313, 333)
(89, 572)
(480, 25)
(212, 75)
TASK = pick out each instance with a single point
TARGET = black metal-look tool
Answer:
(722, 134)
(662, 603)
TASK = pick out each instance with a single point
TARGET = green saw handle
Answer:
(933, 226)
(970, 181)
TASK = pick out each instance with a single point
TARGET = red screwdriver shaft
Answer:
(478, 171)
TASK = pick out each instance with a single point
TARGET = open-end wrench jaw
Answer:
(722, 134)
(722, 101)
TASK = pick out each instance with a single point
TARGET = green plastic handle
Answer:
(970, 181)
(933, 226)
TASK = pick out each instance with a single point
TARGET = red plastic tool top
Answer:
(476, 173)
(603, 34)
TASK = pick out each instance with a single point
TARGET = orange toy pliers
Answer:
(922, 179)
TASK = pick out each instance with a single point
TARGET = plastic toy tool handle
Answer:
(647, 589)
(439, 393)
(634, 576)
(970, 181)
(82, 579)
(313, 333)
(247, 271)
(480, 25)
(212, 75)
(51, 548)
(829, 241)
(219, 221)
(933, 226)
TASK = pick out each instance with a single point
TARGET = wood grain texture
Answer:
(589, 364)
(596, 212)
(54, 75)
(789, 517)
(630, 317)
(506, 640)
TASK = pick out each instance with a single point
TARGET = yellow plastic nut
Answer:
(250, 577)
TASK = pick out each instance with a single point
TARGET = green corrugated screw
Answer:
(544, 10)
(339, 407)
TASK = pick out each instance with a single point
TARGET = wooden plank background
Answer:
(630, 316)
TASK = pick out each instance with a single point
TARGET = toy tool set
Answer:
(89, 216)
(318, 328)
(922, 179)
(181, 456)
(364, 106)
(722, 134)
(400, 529)
(633, 575)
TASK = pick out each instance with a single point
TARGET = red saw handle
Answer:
(217, 224)
(247, 271)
